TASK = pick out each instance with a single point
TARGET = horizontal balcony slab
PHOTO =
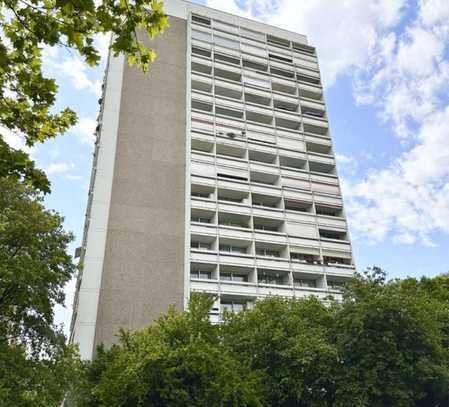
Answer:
(273, 263)
(265, 190)
(234, 233)
(300, 216)
(270, 238)
(266, 168)
(236, 260)
(278, 291)
(343, 245)
(197, 179)
(230, 162)
(298, 195)
(325, 141)
(328, 189)
(207, 229)
(322, 159)
(199, 203)
(325, 179)
(236, 185)
(340, 271)
(326, 199)
(201, 257)
(298, 241)
(332, 221)
(268, 212)
(231, 208)
(303, 267)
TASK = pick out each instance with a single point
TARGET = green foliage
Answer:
(287, 342)
(27, 97)
(385, 344)
(178, 361)
(392, 344)
(34, 266)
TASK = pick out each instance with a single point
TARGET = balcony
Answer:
(287, 123)
(202, 217)
(265, 177)
(318, 147)
(235, 247)
(258, 115)
(263, 156)
(201, 84)
(273, 277)
(201, 144)
(310, 91)
(315, 126)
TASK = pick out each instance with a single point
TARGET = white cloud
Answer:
(58, 168)
(84, 130)
(14, 139)
(76, 69)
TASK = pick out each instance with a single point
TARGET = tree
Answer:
(177, 361)
(34, 267)
(392, 344)
(385, 344)
(26, 95)
(287, 342)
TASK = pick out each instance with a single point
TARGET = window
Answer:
(304, 48)
(289, 107)
(281, 72)
(201, 52)
(332, 234)
(304, 258)
(328, 210)
(230, 76)
(271, 39)
(226, 58)
(205, 107)
(201, 274)
(200, 194)
(239, 278)
(336, 260)
(232, 306)
(226, 42)
(271, 278)
(267, 252)
(254, 65)
(200, 219)
(232, 249)
(308, 79)
(200, 245)
(238, 114)
(233, 223)
(335, 285)
(220, 175)
(304, 282)
(229, 199)
(298, 206)
(202, 36)
(200, 20)
(280, 58)
(265, 227)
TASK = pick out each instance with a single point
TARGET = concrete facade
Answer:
(213, 173)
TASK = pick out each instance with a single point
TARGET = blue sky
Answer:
(385, 67)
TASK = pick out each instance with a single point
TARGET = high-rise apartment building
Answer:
(215, 173)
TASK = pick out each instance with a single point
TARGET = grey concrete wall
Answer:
(143, 271)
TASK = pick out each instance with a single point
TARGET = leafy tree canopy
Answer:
(385, 344)
(26, 95)
(177, 361)
(34, 266)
